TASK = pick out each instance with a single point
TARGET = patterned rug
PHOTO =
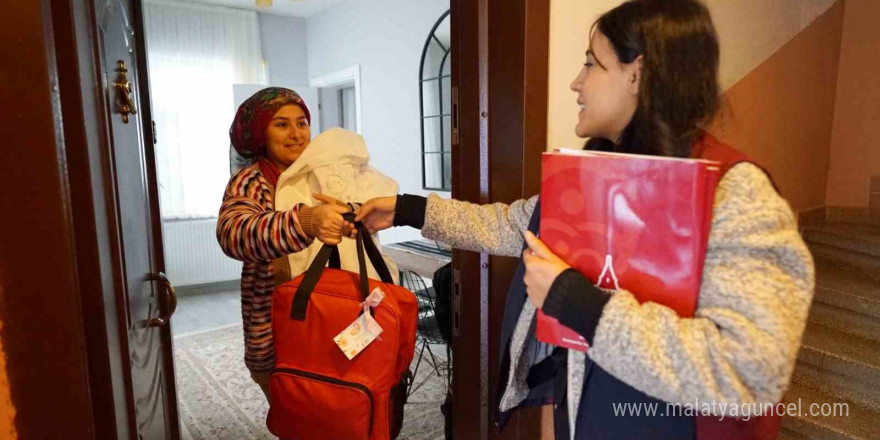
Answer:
(219, 401)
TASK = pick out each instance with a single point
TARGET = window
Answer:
(435, 83)
(196, 54)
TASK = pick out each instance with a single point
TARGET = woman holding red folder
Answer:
(648, 86)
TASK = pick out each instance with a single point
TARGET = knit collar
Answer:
(269, 170)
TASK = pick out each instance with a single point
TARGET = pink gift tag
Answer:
(364, 330)
(358, 335)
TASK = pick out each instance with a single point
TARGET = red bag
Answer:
(641, 222)
(316, 392)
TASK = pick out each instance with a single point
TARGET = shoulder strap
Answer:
(710, 148)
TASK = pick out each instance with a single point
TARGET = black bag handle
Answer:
(335, 262)
(328, 253)
(366, 240)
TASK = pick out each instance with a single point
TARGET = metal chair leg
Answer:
(416, 371)
(434, 362)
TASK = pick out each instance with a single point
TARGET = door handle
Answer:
(171, 300)
(123, 88)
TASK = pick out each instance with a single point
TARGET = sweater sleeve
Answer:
(741, 345)
(249, 232)
(410, 211)
(496, 229)
(576, 303)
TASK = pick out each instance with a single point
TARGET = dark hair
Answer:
(678, 91)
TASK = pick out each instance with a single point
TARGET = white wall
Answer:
(285, 49)
(749, 31)
(385, 37)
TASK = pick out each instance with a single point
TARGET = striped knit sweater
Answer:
(250, 230)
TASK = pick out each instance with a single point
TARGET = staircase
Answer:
(839, 359)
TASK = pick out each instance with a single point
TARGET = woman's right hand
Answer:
(377, 214)
(328, 224)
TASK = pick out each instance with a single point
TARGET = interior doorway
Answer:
(197, 83)
(94, 313)
(339, 99)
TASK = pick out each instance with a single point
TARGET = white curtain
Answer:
(195, 54)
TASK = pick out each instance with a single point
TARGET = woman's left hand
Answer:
(542, 268)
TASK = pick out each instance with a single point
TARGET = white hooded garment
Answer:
(335, 163)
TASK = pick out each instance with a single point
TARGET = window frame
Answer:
(432, 38)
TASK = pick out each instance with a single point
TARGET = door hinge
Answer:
(155, 136)
(456, 302)
(454, 116)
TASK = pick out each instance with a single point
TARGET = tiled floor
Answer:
(197, 313)
(423, 266)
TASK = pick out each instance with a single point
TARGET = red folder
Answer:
(632, 222)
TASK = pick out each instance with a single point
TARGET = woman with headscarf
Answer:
(270, 131)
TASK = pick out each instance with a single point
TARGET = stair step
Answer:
(862, 423)
(855, 237)
(851, 260)
(787, 434)
(836, 385)
(847, 290)
(844, 354)
(844, 320)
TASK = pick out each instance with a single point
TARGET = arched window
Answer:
(435, 84)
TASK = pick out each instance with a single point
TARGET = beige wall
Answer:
(7, 411)
(781, 113)
(750, 31)
(855, 144)
(570, 22)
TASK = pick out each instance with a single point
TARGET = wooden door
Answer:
(146, 296)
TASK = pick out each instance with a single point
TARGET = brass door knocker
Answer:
(123, 87)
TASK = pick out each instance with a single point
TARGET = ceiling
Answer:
(297, 8)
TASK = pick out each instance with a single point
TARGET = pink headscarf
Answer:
(248, 130)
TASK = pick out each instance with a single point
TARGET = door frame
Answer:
(40, 294)
(500, 70)
(74, 319)
(65, 333)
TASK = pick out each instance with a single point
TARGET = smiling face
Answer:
(287, 136)
(607, 91)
